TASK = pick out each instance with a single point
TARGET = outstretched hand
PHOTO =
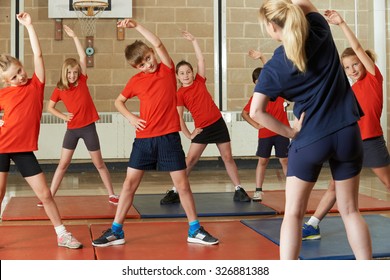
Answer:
(127, 23)
(187, 35)
(333, 17)
(69, 31)
(24, 18)
(254, 54)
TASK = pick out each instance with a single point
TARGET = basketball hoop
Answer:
(88, 13)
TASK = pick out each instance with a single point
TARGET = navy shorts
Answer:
(375, 153)
(343, 149)
(214, 133)
(264, 146)
(26, 163)
(163, 153)
(87, 133)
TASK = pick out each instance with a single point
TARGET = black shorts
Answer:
(264, 146)
(26, 163)
(214, 133)
(163, 153)
(87, 133)
(343, 149)
(375, 153)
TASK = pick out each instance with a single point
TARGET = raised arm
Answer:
(334, 17)
(39, 66)
(149, 36)
(79, 48)
(254, 54)
(306, 6)
(201, 71)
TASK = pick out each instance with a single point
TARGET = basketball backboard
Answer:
(116, 9)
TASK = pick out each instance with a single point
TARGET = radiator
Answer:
(116, 137)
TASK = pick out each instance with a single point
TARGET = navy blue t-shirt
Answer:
(323, 91)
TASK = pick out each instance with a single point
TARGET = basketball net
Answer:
(88, 12)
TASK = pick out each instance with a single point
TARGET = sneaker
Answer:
(109, 238)
(67, 240)
(202, 237)
(240, 195)
(310, 233)
(258, 196)
(114, 199)
(40, 204)
(170, 197)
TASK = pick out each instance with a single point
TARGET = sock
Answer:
(60, 230)
(194, 226)
(259, 189)
(174, 189)
(118, 228)
(313, 221)
(238, 187)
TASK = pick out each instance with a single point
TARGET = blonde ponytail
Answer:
(295, 27)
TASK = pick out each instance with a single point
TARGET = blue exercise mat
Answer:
(333, 244)
(207, 205)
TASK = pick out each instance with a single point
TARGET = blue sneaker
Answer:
(310, 233)
(201, 236)
(109, 238)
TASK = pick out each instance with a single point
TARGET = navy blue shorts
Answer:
(214, 133)
(26, 163)
(264, 146)
(375, 153)
(87, 133)
(163, 153)
(343, 149)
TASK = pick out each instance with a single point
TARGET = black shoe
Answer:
(202, 237)
(240, 195)
(170, 198)
(109, 238)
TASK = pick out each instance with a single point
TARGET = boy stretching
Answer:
(157, 142)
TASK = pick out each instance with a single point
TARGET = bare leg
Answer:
(193, 155)
(383, 173)
(260, 171)
(231, 168)
(180, 180)
(66, 157)
(283, 163)
(101, 167)
(297, 196)
(40, 188)
(327, 201)
(130, 186)
(3, 185)
(347, 192)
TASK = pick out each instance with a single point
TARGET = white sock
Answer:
(60, 230)
(238, 187)
(313, 221)
(174, 189)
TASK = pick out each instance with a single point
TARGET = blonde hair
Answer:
(5, 62)
(295, 28)
(63, 83)
(350, 52)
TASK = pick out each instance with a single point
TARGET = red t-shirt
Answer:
(22, 108)
(198, 101)
(275, 109)
(157, 94)
(77, 101)
(369, 93)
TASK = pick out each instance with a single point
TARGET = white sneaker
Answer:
(258, 196)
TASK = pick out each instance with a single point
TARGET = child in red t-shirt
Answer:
(209, 124)
(157, 143)
(359, 65)
(73, 91)
(267, 138)
(22, 101)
